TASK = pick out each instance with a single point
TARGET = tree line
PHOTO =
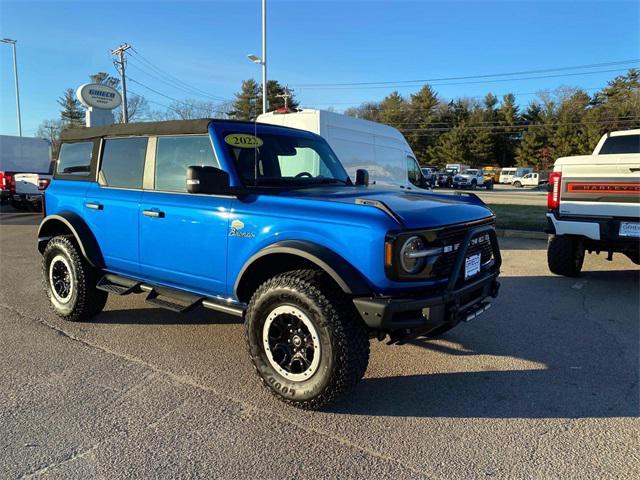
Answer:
(490, 131)
(498, 132)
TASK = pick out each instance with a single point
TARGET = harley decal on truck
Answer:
(611, 188)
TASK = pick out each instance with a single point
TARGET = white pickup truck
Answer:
(472, 178)
(594, 204)
(530, 180)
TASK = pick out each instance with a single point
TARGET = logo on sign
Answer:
(100, 96)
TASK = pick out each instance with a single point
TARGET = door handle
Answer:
(634, 169)
(94, 206)
(153, 213)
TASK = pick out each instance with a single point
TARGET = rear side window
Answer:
(621, 144)
(75, 159)
(175, 154)
(123, 162)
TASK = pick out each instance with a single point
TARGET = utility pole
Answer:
(15, 77)
(265, 104)
(121, 64)
(286, 95)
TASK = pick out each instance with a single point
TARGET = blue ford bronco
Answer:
(262, 222)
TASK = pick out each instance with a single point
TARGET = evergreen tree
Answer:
(508, 121)
(248, 101)
(72, 114)
(481, 148)
(423, 110)
(452, 146)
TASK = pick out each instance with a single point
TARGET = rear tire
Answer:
(565, 255)
(489, 185)
(306, 341)
(474, 184)
(70, 282)
(517, 184)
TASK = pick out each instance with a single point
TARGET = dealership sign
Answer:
(95, 95)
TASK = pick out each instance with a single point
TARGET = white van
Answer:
(507, 174)
(378, 148)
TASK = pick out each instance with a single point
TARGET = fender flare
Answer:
(342, 272)
(49, 227)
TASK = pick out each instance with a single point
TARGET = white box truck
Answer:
(378, 148)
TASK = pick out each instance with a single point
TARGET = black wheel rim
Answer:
(291, 343)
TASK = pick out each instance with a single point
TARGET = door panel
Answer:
(183, 240)
(113, 216)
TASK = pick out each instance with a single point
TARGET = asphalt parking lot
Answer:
(507, 194)
(544, 385)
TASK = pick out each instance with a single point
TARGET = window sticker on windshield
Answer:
(243, 140)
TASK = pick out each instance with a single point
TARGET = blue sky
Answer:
(205, 44)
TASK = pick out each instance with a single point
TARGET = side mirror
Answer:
(207, 180)
(362, 177)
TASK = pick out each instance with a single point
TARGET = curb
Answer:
(507, 233)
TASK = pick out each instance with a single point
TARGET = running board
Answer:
(118, 285)
(168, 298)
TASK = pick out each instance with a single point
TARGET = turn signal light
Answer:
(553, 192)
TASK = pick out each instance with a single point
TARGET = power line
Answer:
(142, 69)
(167, 96)
(468, 77)
(463, 83)
(159, 70)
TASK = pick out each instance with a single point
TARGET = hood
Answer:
(414, 209)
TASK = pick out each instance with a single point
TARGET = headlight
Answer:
(412, 263)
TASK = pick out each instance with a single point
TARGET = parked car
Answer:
(262, 222)
(444, 178)
(430, 175)
(507, 174)
(471, 178)
(594, 204)
(22, 155)
(360, 144)
(531, 180)
(27, 190)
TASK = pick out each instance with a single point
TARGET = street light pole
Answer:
(15, 77)
(264, 57)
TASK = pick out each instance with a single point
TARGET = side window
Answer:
(175, 154)
(75, 158)
(123, 162)
(413, 171)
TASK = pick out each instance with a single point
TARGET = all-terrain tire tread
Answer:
(90, 301)
(350, 334)
(561, 255)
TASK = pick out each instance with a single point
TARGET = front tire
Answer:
(305, 339)
(565, 255)
(70, 282)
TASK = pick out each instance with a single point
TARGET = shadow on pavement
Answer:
(586, 353)
(158, 316)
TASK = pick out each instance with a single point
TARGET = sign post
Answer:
(100, 100)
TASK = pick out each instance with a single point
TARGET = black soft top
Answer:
(169, 127)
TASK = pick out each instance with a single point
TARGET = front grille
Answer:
(451, 241)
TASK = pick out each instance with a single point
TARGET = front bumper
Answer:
(446, 307)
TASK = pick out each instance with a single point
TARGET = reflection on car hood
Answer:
(413, 208)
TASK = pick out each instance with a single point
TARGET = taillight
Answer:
(553, 195)
(43, 183)
(2, 180)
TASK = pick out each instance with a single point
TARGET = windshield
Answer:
(451, 170)
(471, 171)
(284, 160)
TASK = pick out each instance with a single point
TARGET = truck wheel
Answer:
(565, 255)
(489, 184)
(305, 339)
(70, 282)
(517, 184)
(474, 184)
